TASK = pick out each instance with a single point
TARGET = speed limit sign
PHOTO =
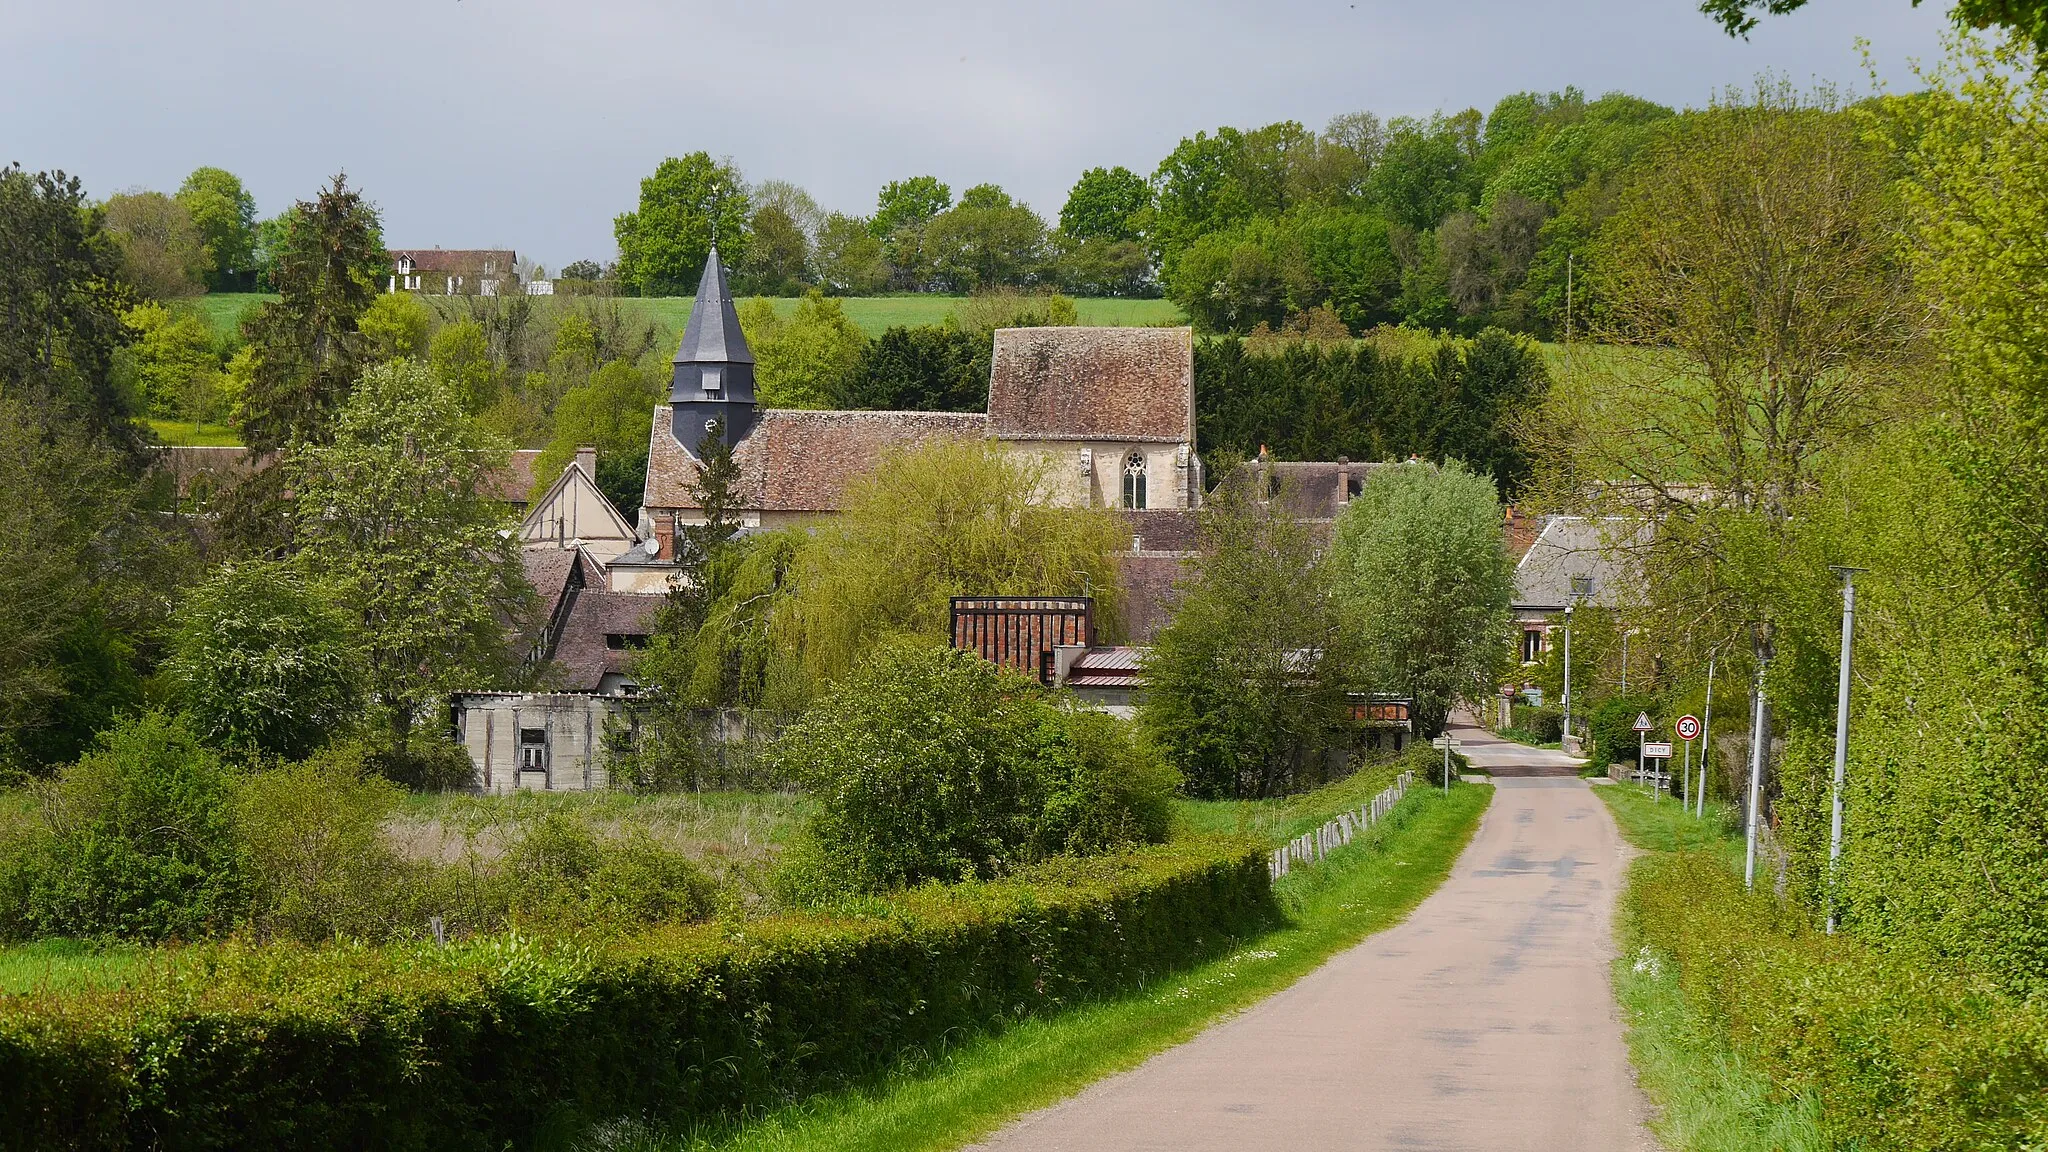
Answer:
(1688, 727)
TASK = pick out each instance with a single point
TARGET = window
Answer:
(1532, 646)
(620, 641)
(1582, 586)
(1134, 480)
(533, 749)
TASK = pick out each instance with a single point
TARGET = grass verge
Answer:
(948, 1098)
(1708, 1098)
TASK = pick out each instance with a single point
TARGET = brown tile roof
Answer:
(1149, 597)
(1093, 384)
(458, 261)
(1164, 529)
(513, 484)
(1306, 489)
(583, 653)
(552, 573)
(799, 460)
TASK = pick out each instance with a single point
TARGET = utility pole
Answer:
(1706, 730)
(1759, 725)
(1567, 699)
(1848, 576)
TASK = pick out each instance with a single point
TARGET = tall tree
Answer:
(61, 302)
(985, 241)
(1423, 575)
(394, 511)
(306, 345)
(685, 206)
(1106, 204)
(850, 260)
(911, 202)
(225, 215)
(1245, 689)
(162, 255)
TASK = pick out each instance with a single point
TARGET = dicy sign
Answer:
(1653, 751)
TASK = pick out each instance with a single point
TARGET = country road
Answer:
(1482, 1022)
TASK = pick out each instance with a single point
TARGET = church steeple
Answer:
(713, 384)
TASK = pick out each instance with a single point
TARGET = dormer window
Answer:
(1134, 480)
(712, 383)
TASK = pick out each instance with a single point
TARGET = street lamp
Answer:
(1625, 634)
(1565, 699)
(1848, 576)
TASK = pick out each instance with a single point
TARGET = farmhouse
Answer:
(451, 271)
(1574, 561)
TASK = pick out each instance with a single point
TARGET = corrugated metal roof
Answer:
(1118, 659)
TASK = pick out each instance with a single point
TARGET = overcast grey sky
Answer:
(528, 123)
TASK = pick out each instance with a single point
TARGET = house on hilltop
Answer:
(452, 271)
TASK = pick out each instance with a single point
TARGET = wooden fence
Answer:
(1310, 847)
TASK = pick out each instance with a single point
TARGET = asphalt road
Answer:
(1484, 1021)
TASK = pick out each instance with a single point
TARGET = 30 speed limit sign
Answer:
(1688, 727)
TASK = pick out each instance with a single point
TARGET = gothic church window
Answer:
(1134, 481)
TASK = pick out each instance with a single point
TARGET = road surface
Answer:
(1484, 1021)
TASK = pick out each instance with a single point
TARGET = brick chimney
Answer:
(586, 459)
(1343, 484)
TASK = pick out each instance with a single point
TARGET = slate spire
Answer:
(713, 385)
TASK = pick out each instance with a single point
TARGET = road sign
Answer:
(1643, 722)
(1445, 741)
(1688, 727)
(1657, 751)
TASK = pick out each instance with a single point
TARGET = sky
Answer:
(528, 124)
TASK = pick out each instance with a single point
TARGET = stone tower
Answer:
(713, 387)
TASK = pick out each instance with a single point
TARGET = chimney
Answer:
(1343, 482)
(586, 459)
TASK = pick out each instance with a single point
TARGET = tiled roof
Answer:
(1147, 581)
(582, 651)
(458, 261)
(1595, 552)
(550, 570)
(1163, 529)
(513, 484)
(1306, 489)
(800, 460)
(1093, 384)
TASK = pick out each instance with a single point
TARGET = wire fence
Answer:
(1310, 847)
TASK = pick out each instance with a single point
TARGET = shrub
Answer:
(1903, 1055)
(425, 764)
(139, 843)
(934, 764)
(1546, 724)
(1612, 726)
(313, 833)
(487, 1044)
(561, 875)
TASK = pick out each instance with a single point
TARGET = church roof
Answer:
(713, 334)
(1072, 383)
(800, 460)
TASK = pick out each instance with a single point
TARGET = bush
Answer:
(934, 764)
(1902, 1055)
(425, 764)
(1612, 726)
(483, 1045)
(1545, 723)
(561, 875)
(313, 834)
(139, 842)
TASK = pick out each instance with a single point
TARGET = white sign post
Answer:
(1642, 726)
(1688, 731)
(1447, 742)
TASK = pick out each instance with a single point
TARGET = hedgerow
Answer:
(489, 1043)
(1903, 1055)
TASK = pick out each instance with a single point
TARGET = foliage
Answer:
(1463, 400)
(1423, 575)
(1245, 689)
(850, 260)
(394, 512)
(908, 203)
(985, 240)
(177, 369)
(395, 326)
(138, 841)
(686, 206)
(984, 312)
(610, 414)
(1900, 1055)
(1106, 204)
(263, 661)
(460, 353)
(1546, 724)
(162, 255)
(928, 368)
(224, 214)
(687, 1024)
(2026, 19)
(1611, 724)
(60, 287)
(799, 360)
(313, 837)
(307, 348)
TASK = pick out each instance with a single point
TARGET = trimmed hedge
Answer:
(1901, 1055)
(1546, 724)
(490, 1044)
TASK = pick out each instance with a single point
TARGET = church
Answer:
(1110, 410)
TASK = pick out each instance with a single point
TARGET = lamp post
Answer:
(1625, 634)
(1706, 731)
(1566, 698)
(1760, 727)
(1848, 576)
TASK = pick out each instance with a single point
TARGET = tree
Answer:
(395, 512)
(611, 413)
(1106, 204)
(60, 289)
(2027, 19)
(1245, 689)
(162, 255)
(262, 661)
(685, 206)
(460, 354)
(395, 326)
(986, 240)
(850, 260)
(225, 215)
(174, 361)
(927, 368)
(908, 203)
(1422, 572)
(324, 268)
(798, 361)
(778, 256)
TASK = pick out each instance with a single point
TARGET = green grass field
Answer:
(953, 1097)
(186, 433)
(1708, 1098)
(872, 314)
